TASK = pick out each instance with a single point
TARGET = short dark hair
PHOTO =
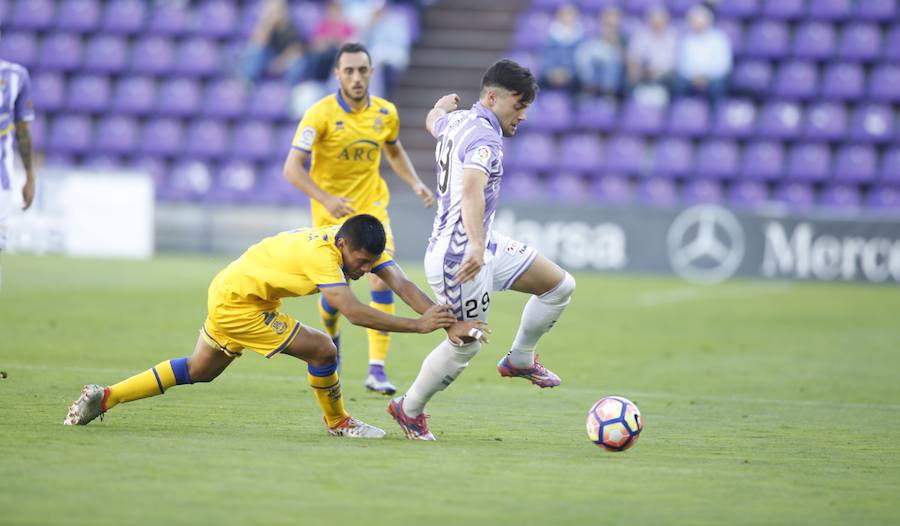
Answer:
(364, 232)
(351, 47)
(513, 77)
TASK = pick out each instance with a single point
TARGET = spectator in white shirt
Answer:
(652, 51)
(704, 57)
(558, 53)
(600, 61)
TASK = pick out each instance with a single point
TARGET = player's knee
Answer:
(325, 352)
(562, 292)
(200, 372)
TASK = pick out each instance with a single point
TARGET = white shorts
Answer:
(505, 260)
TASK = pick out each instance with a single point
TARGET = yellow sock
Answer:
(380, 341)
(330, 317)
(149, 383)
(327, 386)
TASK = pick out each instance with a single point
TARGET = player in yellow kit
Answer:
(243, 303)
(344, 134)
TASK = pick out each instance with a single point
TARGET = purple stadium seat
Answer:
(735, 119)
(134, 96)
(19, 47)
(840, 196)
(809, 162)
(814, 41)
(767, 39)
(873, 123)
(717, 158)
(783, 9)
(701, 191)
(216, 18)
(206, 139)
(884, 200)
(116, 135)
(78, 15)
(611, 189)
(224, 99)
(152, 56)
(97, 161)
(748, 194)
(275, 189)
(522, 187)
(580, 153)
(672, 158)
(688, 117)
(124, 16)
(877, 10)
(236, 182)
(48, 91)
(70, 134)
(829, 9)
(892, 44)
(106, 54)
(172, 19)
(825, 121)
(162, 137)
(843, 81)
(762, 160)
(88, 93)
(752, 76)
(641, 118)
(855, 163)
(178, 97)
(551, 112)
(197, 57)
(33, 14)
(253, 141)
(735, 31)
(547, 5)
(625, 155)
(677, 7)
(657, 192)
(270, 100)
(596, 114)
(796, 195)
(535, 151)
(567, 188)
(154, 166)
(284, 137)
(739, 9)
(796, 80)
(890, 166)
(780, 120)
(248, 18)
(884, 83)
(306, 15)
(860, 42)
(189, 180)
(61, 52)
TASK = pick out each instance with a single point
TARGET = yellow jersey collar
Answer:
(346, 107)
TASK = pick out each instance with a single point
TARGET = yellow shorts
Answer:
(324, 219)
(233, 328)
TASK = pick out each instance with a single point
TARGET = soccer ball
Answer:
(614, 423)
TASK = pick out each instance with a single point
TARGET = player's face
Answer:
(510, 111)
(357, 262)
(354, 72)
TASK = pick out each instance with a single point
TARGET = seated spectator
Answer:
(599, 61)
(704, 57)
(558, 53)
(274, 46)
(328, 35)
(652, 51)
(388, 40)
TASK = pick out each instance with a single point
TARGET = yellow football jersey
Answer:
(346, 149)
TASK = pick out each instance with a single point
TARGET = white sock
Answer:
(443, 365)
(539, 316)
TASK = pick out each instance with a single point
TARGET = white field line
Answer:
(633, 395)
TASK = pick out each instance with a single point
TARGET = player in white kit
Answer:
(465, 261)
(15, 113)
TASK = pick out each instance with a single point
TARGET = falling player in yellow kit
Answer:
(243, 304)
(345, 133)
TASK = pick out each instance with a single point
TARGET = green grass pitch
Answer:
(764, 403)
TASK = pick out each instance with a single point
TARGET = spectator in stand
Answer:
(704, 57)
(558, 53)
(388, 40)
(328, 35)
(600, 61)
(652, 51)
(275, 46)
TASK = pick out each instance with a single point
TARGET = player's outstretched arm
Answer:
(23, 141)
(295, 172)
(342, 298)
(443, 106)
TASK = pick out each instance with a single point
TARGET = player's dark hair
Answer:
(364, 232)
(513, 77)
(351, 47)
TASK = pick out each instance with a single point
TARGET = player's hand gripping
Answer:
(470, 330)
(424, 193)
(436, 317)
(448, 103)
(471, 265)
(338, 206)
